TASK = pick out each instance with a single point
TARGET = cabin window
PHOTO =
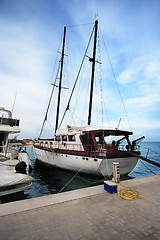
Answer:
(97, 139)
(58, 138)
(64, 138)
(71, 138)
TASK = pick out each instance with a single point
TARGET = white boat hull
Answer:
(16, 189)
(10, 181)
(88, 165)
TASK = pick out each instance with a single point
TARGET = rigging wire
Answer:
(95, 99)
(54, 83)
(79, 25)
(67, 74)
(114, 75)
(56, 58)
(77, 78)
(82, 90)
(76, 116)
(152, 158)
(149, 149)
(85, 107)
(100, 76)
(45, 119)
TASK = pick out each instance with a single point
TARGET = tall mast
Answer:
(60, 81)
(93, 71)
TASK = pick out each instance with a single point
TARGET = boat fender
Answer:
(21, 167)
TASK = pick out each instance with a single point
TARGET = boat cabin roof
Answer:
(92, 129)
(108, 132)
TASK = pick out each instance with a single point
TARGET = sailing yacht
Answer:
(86, 148)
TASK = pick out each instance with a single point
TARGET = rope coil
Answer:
(128, 194)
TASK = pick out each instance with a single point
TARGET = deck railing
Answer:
(70, 146)
(89, 148)
(129, 148)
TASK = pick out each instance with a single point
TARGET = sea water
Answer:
(51, 181)
(150, 150)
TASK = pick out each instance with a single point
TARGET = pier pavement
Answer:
(86, 214)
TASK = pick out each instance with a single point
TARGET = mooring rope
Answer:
(92, 182)
(147, 167)
(72, 178)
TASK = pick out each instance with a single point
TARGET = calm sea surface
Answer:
(50, 181)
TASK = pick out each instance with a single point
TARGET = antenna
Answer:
(96, 16)
(118, 124)
(14, 102)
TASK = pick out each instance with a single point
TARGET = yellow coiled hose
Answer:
(128, 193)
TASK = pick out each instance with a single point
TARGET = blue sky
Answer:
(30, 33)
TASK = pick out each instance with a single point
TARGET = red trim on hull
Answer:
(118, 154)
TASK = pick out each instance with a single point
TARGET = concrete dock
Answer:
(86, 214)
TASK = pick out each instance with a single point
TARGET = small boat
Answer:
(13, 177)
(86, 148)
